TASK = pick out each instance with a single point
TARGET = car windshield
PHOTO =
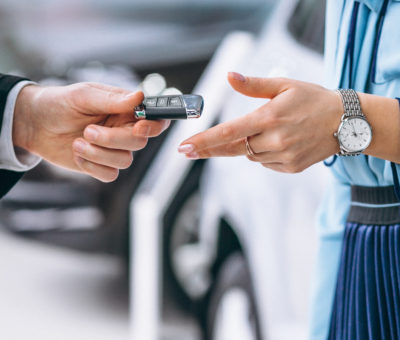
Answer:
(307, 24)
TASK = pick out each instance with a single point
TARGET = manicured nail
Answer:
(192, 155)
(79, 146)
(144, 131)
(91, 133)
(237, 76)
(186, 148)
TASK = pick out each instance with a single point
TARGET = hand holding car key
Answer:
(170, 107)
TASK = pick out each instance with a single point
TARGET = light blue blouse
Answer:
(376, 69)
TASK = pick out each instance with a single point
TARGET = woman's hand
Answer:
(86, 127)
(289, 133)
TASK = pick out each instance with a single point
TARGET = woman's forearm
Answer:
(383, 114)
(296, 128)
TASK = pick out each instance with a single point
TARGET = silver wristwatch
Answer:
(354, 133)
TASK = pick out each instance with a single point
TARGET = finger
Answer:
(266, 157)
(100, 172)
(257, 87)
(224, 133)
(97, 99)
(114, 137)
(113, 158)
(150, 128)
(279, 167)
(236, 148)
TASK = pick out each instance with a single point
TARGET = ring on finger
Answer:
(249, 150)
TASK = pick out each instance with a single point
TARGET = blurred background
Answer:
(234, 243)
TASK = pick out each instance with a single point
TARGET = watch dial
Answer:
(355, 134)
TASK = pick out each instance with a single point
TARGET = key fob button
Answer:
(162, 101)
(151, 102)
(175, 102)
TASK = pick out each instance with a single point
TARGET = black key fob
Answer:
(184, 106)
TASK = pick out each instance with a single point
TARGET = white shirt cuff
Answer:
(14, 158)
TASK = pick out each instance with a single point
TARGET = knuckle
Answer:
(227, 132)
(290, 157)
(205, 154)
(86, 165)
(283, 141)
(252, 158)
(294, 168)
(277, 142)
(266, 165)
(78, 87)
(266, 119)
(105, 138)
(270, 118)
(231, 149)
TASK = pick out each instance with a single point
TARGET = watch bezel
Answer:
(345, 120)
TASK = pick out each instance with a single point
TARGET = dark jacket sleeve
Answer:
(7, 178)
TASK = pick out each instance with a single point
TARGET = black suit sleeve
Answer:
(7, 178)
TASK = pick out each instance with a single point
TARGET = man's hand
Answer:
(86, 127)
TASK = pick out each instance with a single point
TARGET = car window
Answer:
(307, 24)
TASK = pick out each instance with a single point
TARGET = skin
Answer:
(85, 127)
(294, 128)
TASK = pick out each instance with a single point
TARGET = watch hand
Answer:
(354, 128)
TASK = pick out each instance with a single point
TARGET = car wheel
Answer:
(232, 312)
(185, 272)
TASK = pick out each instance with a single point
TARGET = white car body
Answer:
(272, 214)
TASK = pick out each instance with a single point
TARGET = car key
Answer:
(185, 106)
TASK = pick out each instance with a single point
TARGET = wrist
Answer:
(337, 111)
(23, 121)
(383, 115)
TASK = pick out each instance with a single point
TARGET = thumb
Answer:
(257, 87)
(107, 100)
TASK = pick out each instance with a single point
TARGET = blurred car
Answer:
(116, 42)
(50, 37)
(242, 242)
(238, 256)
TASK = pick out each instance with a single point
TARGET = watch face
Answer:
(355, 134)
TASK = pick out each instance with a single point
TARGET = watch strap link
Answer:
(351, 103)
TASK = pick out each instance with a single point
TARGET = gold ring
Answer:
(249, 150)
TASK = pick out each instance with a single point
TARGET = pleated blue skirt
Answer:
(367, 299)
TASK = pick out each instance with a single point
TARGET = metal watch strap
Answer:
(351, 103)
(352, 108)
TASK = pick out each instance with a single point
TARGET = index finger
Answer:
(222, 133)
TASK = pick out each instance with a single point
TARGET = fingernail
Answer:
(144, 131)
(192, 155)
(237, 76)
(186, 148)
(91, 133)
(79, 146)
